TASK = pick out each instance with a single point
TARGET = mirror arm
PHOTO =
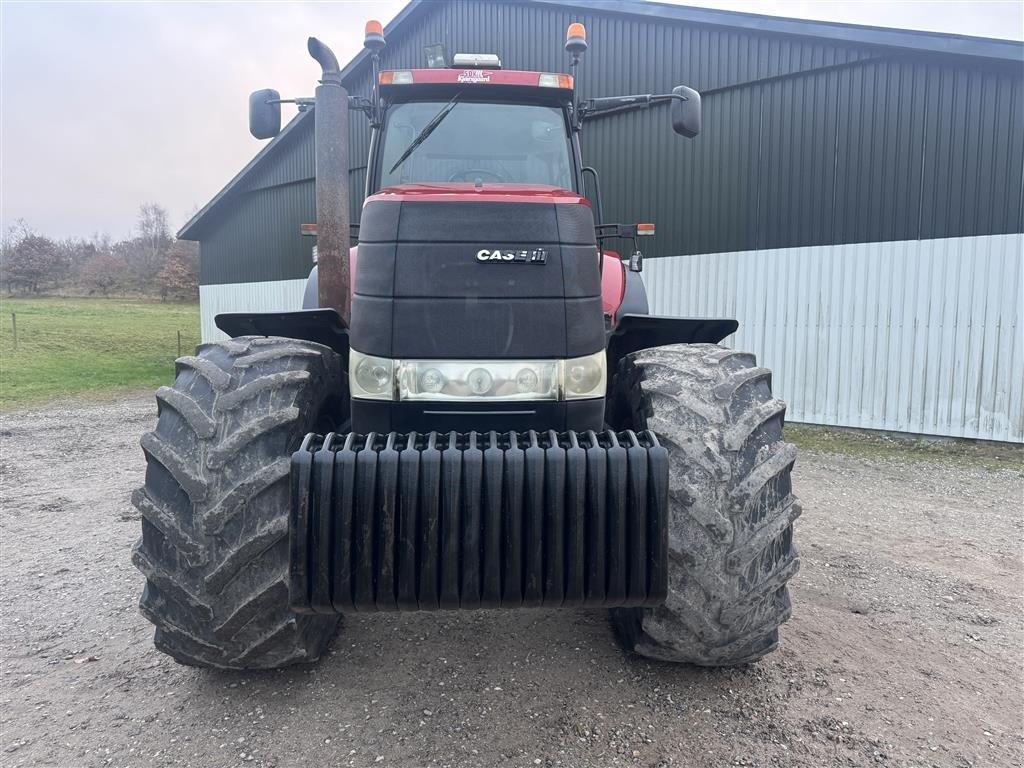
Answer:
(360, 103)
(301, 103)
(613, 105)
(364, 105)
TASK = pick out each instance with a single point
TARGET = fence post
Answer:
(179, 343)
(14, 327)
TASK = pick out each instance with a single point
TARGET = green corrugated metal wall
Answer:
(805, 142)
(253, 235)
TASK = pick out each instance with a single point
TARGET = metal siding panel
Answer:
(280, 295)
(880, 172)
(973, 140)
(938, 328)
(823, 170)
(909, 150)
(293, 161)
(913, 336)
(258, 237)
(1016, 154)
(1009, 388)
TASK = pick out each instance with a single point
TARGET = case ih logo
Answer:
(474, 76)
(536, 256)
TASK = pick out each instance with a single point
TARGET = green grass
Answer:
(906, 448)
(89, 346)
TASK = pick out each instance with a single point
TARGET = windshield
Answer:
(476, 141)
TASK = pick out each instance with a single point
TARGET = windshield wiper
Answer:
(427, 130)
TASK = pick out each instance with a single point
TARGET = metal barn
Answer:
(856, 200)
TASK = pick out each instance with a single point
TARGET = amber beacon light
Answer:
(374, 35)
(576, 38)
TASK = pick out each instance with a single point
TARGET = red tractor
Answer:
(474, 409)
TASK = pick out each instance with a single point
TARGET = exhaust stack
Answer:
(332, 200)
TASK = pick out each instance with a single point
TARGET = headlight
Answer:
(584, 377)
(379, 378)
(371, 377)
(477, 380)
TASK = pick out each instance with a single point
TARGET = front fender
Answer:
(321, 326)
(635, 332)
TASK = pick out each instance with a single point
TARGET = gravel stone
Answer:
(903, 649)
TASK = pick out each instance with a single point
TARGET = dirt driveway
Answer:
(905, 648)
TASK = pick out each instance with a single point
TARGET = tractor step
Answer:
(428, 521)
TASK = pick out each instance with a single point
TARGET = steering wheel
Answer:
(466, 174)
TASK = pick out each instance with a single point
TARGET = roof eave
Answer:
(932, 42)
(192, 228)
(190, 231)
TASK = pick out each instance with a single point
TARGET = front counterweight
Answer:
(478, 520)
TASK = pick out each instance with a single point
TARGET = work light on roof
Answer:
(436, 56)
(476, 61)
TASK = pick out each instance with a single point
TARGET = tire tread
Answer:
(214, 506)
(731, 508)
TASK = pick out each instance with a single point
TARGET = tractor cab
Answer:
(479, 127)
(477, 279)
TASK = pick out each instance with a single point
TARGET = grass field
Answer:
(79, 346)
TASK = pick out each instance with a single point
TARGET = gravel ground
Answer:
(905, 648)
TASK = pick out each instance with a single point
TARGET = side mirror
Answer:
(265, 118)
(686, 114)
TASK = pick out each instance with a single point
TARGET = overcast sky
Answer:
(104, 106)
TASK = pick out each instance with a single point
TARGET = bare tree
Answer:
(179, 277)
(75, 253)
(146, 252)
(29, 260)
(104, 272)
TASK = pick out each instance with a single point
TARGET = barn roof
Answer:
(933, 42)
(925, 42)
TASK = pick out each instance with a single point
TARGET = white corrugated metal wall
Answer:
(919, 336)
(270, 296)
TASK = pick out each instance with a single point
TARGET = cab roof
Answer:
(392, 81)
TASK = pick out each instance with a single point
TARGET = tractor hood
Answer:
(456, 271)
(460, 272)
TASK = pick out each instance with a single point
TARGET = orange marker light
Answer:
(374, 28)
(551, 80)
(645, 229)
(576, 30)
(398, 77)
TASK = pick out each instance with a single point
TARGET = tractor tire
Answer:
(214, 546)
(731, 506)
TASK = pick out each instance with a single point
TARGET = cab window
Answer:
(478, 142)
